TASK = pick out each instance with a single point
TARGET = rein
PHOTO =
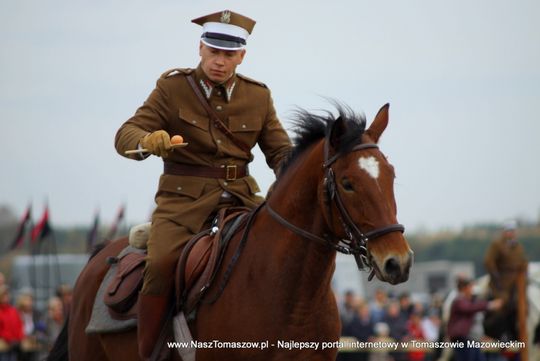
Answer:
(356, 242)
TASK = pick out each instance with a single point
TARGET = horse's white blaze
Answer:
(370, 165)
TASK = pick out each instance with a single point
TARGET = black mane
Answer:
(308, 128)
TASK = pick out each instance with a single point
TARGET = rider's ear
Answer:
(339, 129)
(379, 123)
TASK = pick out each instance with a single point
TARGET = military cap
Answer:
(510, 225)
(225, 30)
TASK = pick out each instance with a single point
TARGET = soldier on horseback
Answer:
(506, 265)
(222, 115)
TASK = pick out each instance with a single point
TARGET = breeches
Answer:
(165, 245)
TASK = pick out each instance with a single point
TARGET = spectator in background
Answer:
(462, 313)
(65, 294)
(29, 345)
(2, 279)
(415, 332)
(347, 309)
(398, 326)
(431, 325)
(11, 327)
(378, 305)
(55, 320)
(382, 334)
(361, 328)
(405, 304)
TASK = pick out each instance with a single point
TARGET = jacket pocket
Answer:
(245, 123)
(185, 186)
(193, 119)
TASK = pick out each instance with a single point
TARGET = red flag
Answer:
(21, 229)
(43, 228)
(114, 227)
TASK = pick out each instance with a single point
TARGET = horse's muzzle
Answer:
(396, 268)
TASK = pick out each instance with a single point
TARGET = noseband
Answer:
(356, 242)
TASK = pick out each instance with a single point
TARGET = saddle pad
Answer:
(101, 321)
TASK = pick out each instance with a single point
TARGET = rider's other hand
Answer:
(158, 143)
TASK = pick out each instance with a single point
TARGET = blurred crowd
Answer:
(25, 333)
(389, 317)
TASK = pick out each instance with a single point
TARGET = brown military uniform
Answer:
(504, 262)
(184, 203)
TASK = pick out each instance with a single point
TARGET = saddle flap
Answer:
(198, 259)
(121, 294)
(126, 267)
(202, 257)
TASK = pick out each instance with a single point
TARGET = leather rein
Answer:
(356, 242)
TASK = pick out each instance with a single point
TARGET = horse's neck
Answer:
(307, 265)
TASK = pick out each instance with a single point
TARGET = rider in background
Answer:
(212, 171)
(505, 262)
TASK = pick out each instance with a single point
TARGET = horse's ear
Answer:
(379, 124)
(339, 129)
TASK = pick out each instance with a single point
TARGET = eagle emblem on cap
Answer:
(226, 17)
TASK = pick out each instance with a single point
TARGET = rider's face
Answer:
(219, 65)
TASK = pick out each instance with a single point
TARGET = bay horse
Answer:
(335, 193)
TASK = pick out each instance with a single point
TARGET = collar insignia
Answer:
(207, 88)
(229, 91)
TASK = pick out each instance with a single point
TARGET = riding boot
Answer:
(152, 313)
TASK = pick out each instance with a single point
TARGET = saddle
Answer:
(196, 269)
(203, 256)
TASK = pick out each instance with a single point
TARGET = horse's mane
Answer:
(308, 128)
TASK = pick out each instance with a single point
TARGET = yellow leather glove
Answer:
(158, 143)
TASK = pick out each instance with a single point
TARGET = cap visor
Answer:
(222, 44)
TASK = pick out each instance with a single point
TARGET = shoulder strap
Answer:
(214, 117)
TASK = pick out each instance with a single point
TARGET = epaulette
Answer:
(251, 80)
(176, 71)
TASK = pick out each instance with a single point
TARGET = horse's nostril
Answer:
(391, 267)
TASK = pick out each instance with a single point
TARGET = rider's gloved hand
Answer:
(158, 143)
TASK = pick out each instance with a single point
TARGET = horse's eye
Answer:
(347, 185)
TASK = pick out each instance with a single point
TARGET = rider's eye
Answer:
(347, 185)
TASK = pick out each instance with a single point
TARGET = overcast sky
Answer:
(462, 78)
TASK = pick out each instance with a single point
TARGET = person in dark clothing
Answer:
(462, 313)
(361, 328)
(398, 327)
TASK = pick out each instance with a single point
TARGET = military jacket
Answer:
(504, 262)
(243, 104)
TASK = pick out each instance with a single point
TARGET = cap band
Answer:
(219, 36)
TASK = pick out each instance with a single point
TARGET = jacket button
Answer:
(219, 107)
(194, 121)
(179, 188)
(225, 184)
(218, 141)
(244, 126)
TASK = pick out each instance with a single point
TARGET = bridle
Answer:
(356, 242)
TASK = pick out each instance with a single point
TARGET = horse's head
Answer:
(354, 189)
(358, 195)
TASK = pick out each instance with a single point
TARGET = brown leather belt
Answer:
(227, 172)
